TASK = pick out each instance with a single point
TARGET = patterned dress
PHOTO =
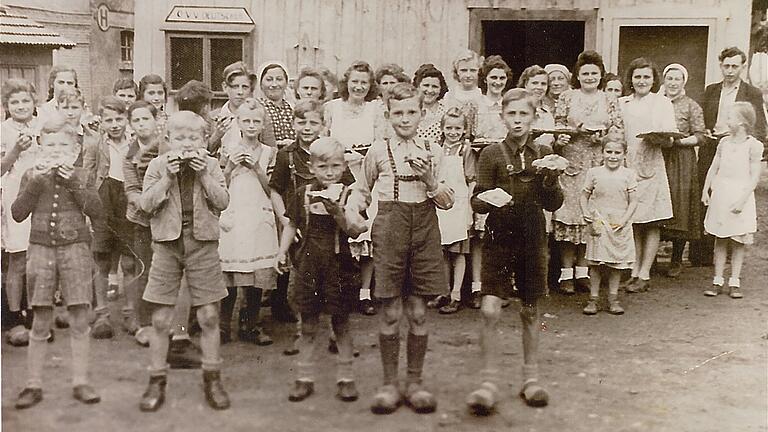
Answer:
(429, 127)
(281, 116)
(574, 108)
(650, 113)
(682, 174)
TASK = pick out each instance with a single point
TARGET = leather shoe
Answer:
(29, 397)
(386, 400)
(154, 396)
(85, 394)
(367, 307)
(215, 394)
(419, 399)
(346, 391)
(301, 390)
(183, 354)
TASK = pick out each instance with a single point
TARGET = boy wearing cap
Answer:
(238, 84)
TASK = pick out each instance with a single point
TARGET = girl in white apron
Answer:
(19, 152)
(248, 244)
(456, 221)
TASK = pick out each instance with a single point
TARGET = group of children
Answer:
(200, 207)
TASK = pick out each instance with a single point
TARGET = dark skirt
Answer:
(682, 173)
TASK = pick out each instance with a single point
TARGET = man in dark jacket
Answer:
(717, 100)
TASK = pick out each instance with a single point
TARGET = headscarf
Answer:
(269, 65)
(682, 69)
(555, 67)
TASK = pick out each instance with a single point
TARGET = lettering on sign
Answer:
(203, 14)
(102, 17)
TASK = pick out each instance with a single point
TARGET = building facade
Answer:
(99, 29)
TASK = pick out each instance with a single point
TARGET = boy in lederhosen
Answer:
(408, 263)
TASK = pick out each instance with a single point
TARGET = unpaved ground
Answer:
(677, 361)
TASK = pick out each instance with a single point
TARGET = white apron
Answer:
(15, 235)
(455, 222)
(248, 231)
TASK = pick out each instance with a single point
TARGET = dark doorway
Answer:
(525, 43)
(663, 45)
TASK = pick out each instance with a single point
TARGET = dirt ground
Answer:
(676, 361)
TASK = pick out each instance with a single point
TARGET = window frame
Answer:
(207, 67)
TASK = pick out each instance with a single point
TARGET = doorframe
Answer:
(478, 15)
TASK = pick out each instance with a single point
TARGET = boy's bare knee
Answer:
(391, 316)
(208, 317)
(78, 318)
(41, 324)
(161, 319)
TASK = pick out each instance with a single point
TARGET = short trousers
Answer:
(196, 260)
(523, 256)
(325, 282)
(408, 259)
(66, 267)
(113, 232)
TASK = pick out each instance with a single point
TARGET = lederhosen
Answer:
(321, 283)
(517, 232)
(406, 237)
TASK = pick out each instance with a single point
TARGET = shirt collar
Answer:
(516, 148)
(735, 88)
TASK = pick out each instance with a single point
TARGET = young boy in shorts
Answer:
(56, 195)
(515, 244)
(408, 264)
(103, 159)
(324, 256)
(184, 192)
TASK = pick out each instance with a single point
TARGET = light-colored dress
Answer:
(731, 179)
(468, 101)
(15, 235)
(456, 221)
(597, 112)
(248, 244)
(651, 113)
(608, 201)
(490, 126)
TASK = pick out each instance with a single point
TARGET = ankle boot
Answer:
(154, 396)
(214, 392)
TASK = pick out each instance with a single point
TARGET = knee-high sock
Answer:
(38, 346)
(389, 346)
(417, 350)
(81, 348)
(227, 308)
(253, 304)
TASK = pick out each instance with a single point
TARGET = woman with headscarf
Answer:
(594, 113)
(273, 80)
(644, 110)
(680, 160)
(559, 79)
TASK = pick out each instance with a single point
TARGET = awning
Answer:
(20, 30)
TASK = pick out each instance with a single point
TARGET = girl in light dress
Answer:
(19, 151)
(729, 191)
(249, 243)
(607, 202)
(458, 164)
(644, 110)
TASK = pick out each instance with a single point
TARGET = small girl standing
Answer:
(732, 178)
(607, 202)
(248, 244)
(458, 164)
(19, 151)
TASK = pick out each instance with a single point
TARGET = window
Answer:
(126, 46)
(201, 57)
